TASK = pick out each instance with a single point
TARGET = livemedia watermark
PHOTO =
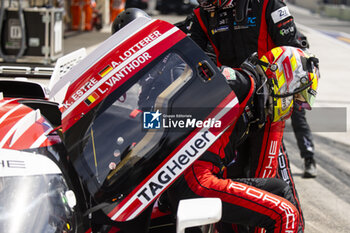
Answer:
(320, 119)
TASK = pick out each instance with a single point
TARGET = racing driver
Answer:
(233, 30)
(285, 75)
(261, 89)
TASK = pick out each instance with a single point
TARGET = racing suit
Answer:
(262, 202)
(268, 24)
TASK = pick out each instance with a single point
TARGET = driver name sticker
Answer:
(110, 76)
(129, 53)
(131, 66)
(139, 45)
(79, 93)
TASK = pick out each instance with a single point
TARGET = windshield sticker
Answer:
(165, 175)
(125, 57)
(91, 99)
(171, 168)
(117, 71)
(81, 91)
(105, 71)
(131, 66)
(141, 44)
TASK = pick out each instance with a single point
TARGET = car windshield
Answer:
(120, 127)
(36, 204)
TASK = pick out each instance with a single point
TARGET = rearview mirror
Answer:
(198, 212)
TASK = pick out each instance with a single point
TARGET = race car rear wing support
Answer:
(25, 71)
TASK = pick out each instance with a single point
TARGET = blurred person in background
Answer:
(115, 7)
(305, 143)
(151, 7)
(82, 9)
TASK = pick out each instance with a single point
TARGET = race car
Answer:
(100, 121)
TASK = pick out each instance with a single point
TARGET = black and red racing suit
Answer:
(268, 24)
(257, 202)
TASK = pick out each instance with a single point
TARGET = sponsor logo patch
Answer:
(220, 29)
(251, 22)
(280, 14)
(286, 31)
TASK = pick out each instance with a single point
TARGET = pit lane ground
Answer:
(326, 199)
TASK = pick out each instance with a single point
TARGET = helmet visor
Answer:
(309, 94)
(300, 101)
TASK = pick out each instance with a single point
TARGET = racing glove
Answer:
(240, 82)
(260, 97)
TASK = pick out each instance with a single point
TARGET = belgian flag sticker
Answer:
(91, 99)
